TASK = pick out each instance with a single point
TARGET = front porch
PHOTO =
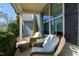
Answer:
(37, 9)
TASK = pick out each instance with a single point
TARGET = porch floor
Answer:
(68, 50)
(24, 53)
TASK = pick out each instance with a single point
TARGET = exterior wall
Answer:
(71, 22)
(27, 17)
(78, 25)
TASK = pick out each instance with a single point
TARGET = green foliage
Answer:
(35, 26)
(14, 27)
(57, 9)
(8, 38)
(7, 43)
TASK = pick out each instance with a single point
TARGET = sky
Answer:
(7, 8)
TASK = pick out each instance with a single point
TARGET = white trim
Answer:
(20, 26)
(63, 20)
(57, 17)
(49, 21)
(78, 26)
(46, 21)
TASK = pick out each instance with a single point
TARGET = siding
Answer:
(71, 22)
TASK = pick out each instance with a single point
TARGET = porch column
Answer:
(49, 21)
(20, 32)
(63, 20)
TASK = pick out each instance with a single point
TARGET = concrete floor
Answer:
(68, 50)
(24, 53)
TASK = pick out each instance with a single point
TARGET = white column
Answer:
(20, 26)
(49, 21)
(63, 20)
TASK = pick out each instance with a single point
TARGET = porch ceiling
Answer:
(29, 7)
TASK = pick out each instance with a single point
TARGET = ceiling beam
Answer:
(17, 7)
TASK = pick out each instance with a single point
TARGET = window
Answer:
(45, 20)
(57, 19)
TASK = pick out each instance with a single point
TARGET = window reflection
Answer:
(55, 18)
(46, 28)
(45, 15)
(56, 10)
(56, 23)
(57, 26)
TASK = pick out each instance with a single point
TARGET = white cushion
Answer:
(20, 43)
(37, 34)
(51, 44)
(37, 49)
(46, 39)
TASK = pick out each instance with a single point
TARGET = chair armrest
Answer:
(32, 40)
(36, 44)
(35, 37)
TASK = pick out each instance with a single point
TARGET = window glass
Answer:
(56, 23)
(56, 9)
(53, 26)
(57, 26)
(46, 28)
(45, 15)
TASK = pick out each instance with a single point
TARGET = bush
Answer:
(7, 43)
(13, 27)
(8, 38)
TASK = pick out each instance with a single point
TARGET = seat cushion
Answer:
(51, 44)
(37, 49)
(21, 43)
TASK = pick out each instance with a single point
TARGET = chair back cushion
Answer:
(51, 44)
(37, 34)
(46, 40)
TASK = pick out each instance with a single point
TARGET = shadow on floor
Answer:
(66, 51)
(69, 50)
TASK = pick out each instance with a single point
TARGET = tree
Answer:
(14, 26)
(8, 38)
(35, 26)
